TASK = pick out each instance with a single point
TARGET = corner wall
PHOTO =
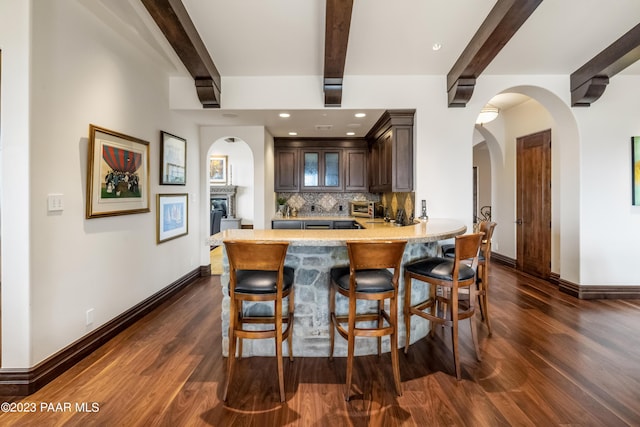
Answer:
(81, 72)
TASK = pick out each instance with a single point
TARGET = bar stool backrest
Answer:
(364, 255)
(467, 247)
(256, 255)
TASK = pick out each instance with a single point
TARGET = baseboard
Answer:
(205, 270)
(579, 291)
(504, 260)
(23, 382)
(599, 291)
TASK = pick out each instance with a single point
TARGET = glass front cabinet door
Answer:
(322, 170)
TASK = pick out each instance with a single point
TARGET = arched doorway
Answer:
(231, 181)
(538, 109)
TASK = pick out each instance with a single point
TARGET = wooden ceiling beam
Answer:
(336, 38)
(506, 17)
(589, 81)
(176, 25)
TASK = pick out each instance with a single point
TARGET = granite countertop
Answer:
(375, 229)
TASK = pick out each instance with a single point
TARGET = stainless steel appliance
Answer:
(365, 208)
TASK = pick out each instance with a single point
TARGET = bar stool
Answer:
(367, 278)
(484, 260)
(257, 273)
(446, 277)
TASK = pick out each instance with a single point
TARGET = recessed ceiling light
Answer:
(436, 46)
(293, 133)
(284, 115)
(350, 133)
(360, 115)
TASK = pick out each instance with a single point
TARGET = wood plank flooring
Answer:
(552, 360)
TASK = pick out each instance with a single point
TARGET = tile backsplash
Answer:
(337, 204)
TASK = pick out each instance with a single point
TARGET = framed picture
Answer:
(635, 170)
(117, 174)
(173, 159)
(172, 216)
(218, 169)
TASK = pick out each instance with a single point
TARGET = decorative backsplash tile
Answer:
(296, 201)
(328, 204)
(325, 204)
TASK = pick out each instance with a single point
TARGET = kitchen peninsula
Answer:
(312, 253)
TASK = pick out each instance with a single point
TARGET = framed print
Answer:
(635, 170)
(218, 169)
(173, 159)
(172, 216)
(117, 174)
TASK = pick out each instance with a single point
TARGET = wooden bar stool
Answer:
(484, 260)
(257, 273)
(446, 277)
(367, 278)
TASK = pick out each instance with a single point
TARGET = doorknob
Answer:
(519, 221)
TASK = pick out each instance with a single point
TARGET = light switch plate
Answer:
(55, 202)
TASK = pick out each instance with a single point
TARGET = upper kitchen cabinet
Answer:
(391, 156)
(286, 162)
(329, 165)
(356, 178)
(321, 169)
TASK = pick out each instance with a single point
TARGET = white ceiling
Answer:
(387, 37)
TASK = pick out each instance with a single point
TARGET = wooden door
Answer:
(533, 196)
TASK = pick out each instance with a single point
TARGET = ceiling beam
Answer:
(589, 81)
(506, 17)
(176, 25)
(336, 38)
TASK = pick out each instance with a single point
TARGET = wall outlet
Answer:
(340, 208)
(89, 316)
(313, 208)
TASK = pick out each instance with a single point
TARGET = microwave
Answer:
(366, 209)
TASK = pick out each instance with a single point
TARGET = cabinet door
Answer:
(355, 178)
(286, 225)
(321, 170)
(403, 159)
(331, 170)
(286, 170)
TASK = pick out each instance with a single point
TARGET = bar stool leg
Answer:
(351, 341)
(332, 325)
(407, 312)
(394, 344)
(380, 325)
(232, 349)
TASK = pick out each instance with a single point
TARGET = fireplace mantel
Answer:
(228, 191)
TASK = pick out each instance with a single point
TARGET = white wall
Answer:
(482, 161)
(15, 41)
(82, 73)
(610, 226)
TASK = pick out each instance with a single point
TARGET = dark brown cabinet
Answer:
(355, 177)
(321, 170)
(328, 165)
(391, 152)
(287, 169)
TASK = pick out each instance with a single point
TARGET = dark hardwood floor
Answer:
(552, 360)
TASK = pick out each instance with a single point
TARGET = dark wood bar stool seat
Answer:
(448, 279)
(257, 273)
(367, 278)
(484, 261)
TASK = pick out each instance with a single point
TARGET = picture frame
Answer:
(117, 174)
(172, 219)
(173, 159)
(218, 169)
(635, 171)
